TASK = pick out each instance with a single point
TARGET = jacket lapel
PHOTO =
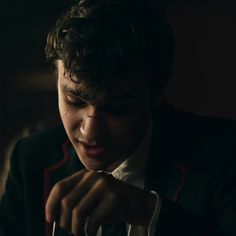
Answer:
(66, 166)
(166, 173)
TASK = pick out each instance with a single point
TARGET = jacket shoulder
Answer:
(197, 138)
(44, 147)
(48, 137)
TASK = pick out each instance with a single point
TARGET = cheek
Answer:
(71, 118)
(61, 105)
(130, 128)
(63, 109)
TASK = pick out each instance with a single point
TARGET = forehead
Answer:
(130, 86)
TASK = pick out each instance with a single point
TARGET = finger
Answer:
(73, 197)
(84, 208)
(106, 212)
(58, 192)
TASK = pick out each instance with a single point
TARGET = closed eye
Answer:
(74, 100)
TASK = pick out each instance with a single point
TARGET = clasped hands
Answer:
(92, 199)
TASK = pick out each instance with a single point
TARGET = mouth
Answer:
(93, 151)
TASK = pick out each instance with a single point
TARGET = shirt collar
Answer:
(132, 170)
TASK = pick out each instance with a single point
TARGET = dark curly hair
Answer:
(96, 37)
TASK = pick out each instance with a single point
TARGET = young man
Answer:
(124, 159)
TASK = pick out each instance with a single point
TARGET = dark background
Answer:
(203, 79)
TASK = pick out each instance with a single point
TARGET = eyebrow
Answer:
(66, 88)
(84, 94)
(78, 92)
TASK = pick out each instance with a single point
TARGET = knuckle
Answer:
(88, 174)
(59, 188)
(102, 182)
(76, 212)
(66, 203)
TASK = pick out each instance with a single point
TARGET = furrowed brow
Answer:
(67, 89)
(118, 95)
(80, 93)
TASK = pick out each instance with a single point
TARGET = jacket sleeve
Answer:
(221, 221)
(175, 220)
(12, 203)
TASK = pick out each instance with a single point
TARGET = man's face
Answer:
(105, 133)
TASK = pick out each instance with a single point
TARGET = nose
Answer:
(93, 128)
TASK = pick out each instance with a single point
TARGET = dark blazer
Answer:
(192, 166)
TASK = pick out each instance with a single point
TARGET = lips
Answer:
(93, 151)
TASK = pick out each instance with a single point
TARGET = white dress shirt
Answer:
(132, 171)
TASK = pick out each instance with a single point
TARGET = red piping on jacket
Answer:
(47, 172)
(185, 172)
(210, 226)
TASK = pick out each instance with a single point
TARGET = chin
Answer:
(97, 165)
(92, 163)
(94, 166)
